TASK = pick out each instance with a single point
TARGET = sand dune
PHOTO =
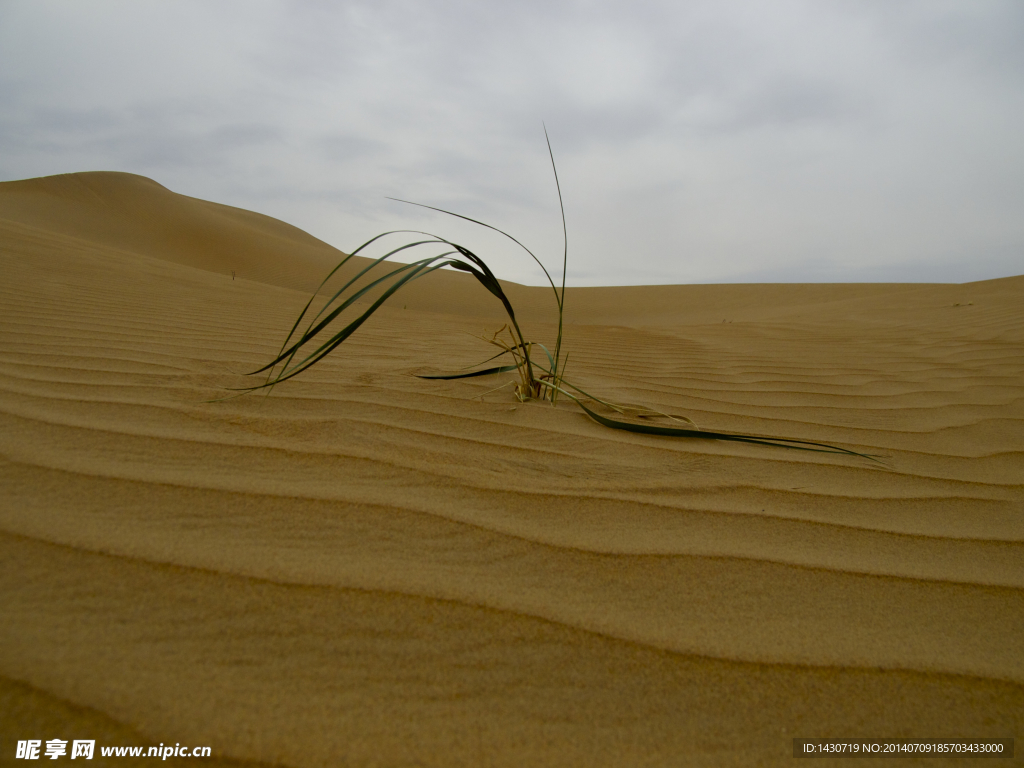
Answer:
(367, 568)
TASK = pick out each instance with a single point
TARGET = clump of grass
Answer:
(538, 378)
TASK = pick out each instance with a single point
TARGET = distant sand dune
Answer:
(369, 568)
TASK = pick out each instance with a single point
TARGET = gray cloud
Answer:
(703, 141)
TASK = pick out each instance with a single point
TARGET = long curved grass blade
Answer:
(347, 331)
(482, 274)
(485, 372)
(331, 274)
(286, 354)
(487, 279)
(559, 297)
(282, 354)
(492, 357)
(488, 226)
(477, 267)
(778, 442)
(314, 330)
(565, 264)
(420, 270)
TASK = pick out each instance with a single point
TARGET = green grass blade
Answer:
(778, 442)
(348, 330)
(485, 372)
(488, 226)
(331, 274)
(565, 264)
(312, 331)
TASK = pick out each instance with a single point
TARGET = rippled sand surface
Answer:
(367, 568)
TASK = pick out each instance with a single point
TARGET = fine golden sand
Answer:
(370, 569)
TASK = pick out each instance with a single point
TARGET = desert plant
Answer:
(538, 379)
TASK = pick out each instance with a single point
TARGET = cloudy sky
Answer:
(719, 141)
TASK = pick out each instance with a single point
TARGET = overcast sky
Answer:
(695, 141)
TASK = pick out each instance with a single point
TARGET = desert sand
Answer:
(370, 569)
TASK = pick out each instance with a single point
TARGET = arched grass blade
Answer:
(399, 277)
